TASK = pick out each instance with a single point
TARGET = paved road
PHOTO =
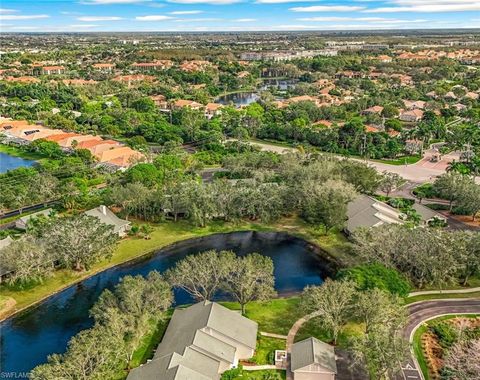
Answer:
(422, 311)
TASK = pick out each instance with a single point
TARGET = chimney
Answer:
(103, 209)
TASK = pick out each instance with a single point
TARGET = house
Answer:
(103, 67)
(384, 58)
(4, 243)
(413, 146)
(212, 109)
(52, 70)
(79, 82)
(21, 223)
(157, 65)
(23, 79)
(373, 110)
(411, 116)
(200, 343)
(427, 215)
(312, 359)
(365, 211)
(472, 95)
(182, 103)
(160, 101)
(106, 216)
(414, 104)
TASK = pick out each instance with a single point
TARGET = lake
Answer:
(8, 162)
(29, 337)
(238, 99)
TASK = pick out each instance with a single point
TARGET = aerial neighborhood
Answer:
(226, 205)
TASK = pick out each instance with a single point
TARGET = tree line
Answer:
(72, 242)
(427, 256)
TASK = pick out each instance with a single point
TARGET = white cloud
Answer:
(363, 19)
(99, 18)
(327, 8)
(245, 20)
(283, 1)
(203, 19)
(211, 2)
(4, 10)
(22, 17)
(153, 18)
(102, 2)
(428, 7)
(185, 12)
(84, 26)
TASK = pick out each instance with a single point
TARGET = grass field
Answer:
(409, 160)
(163, 235)
(427, 297)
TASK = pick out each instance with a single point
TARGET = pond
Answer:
(28, 338)
(278, 84)
(238, 99)
(8, 162)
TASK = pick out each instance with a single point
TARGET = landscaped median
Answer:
(434, 338)
(164, 234)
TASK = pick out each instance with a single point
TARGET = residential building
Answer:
(312, 359)
(4, 243)
(365, 211)
(52, 70)
(427, 215)
(22, 222)
(414, 104)
(413, 146)
(160, 101)
(411, 116)
(212, 109)
(106, 216)
(157, 65)
(373, 110)
(182, 103)
(200, 343)
(104, 67)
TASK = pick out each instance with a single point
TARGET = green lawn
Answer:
(275, 316)
(265, 350)
(258, 375)
(165, 234)
(401, 160)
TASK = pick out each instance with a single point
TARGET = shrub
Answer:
(369, 276)
(445, 333)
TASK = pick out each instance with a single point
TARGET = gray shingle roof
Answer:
(313, 351)
(108, 217)
(198, 338)
(365, 211)
(426, 213)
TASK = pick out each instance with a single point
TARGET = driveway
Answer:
(423, 311)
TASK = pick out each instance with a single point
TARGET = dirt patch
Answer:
(467, 219)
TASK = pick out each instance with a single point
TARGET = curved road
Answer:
(422, 311)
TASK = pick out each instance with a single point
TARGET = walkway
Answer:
(447, 291)
(291, 338)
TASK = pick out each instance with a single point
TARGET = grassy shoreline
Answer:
(165, 234)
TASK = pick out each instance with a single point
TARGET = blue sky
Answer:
(234, 15)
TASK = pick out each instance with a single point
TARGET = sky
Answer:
(234, 15)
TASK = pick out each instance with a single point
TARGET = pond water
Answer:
(279, 84)
(28, 338)
(238, 99)
(8, 162)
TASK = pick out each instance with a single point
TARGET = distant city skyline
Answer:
(235, 15)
